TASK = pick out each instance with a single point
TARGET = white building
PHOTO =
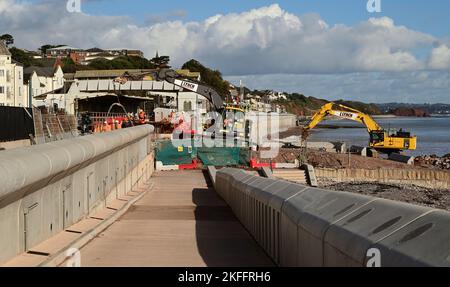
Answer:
(43, 80)
(12, 91)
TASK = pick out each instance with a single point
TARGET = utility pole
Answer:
(349, 155)
(241, 92)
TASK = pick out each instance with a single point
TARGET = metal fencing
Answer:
(53, 127)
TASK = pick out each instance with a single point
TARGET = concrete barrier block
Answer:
(161, 167)
(291, 212)
(287, 165)
(340, 147)
(258, 211)
(347, 241)
(423, 242)
(402, 158)
(317, 218)
(359, 150)
(327, 146)
(310, 174)
(267, 172)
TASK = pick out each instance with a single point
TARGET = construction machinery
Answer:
(382, 140)
(232, 117)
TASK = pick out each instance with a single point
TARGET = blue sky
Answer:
(323, 48)
(430, 16)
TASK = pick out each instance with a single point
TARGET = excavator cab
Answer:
(392, 141)
(377, 136)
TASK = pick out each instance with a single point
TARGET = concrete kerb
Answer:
(212, 174)
(85, 238)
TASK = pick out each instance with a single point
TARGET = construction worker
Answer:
(142, 117)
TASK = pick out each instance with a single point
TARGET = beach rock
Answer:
(434, 161)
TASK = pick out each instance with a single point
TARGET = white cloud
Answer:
(370, 61)
(259, 41)
(440, 58)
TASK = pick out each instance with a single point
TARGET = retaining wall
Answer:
(265, 124)
(303, 226)
(421, 177)
(49, 187)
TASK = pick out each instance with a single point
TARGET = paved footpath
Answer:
(181, 222)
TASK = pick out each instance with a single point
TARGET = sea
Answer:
(433, 133)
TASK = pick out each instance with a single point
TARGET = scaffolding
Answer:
(53, 127)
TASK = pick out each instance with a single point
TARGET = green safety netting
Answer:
(223, 156)
(169, 154)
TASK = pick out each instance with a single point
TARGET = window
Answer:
(2, 73)
(187, 106)
(2, 90)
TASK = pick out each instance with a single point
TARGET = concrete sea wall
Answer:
(47, 188)
(438, 179)
(302, 226)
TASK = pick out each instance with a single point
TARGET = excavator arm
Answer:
(173, 77)
(345, 113)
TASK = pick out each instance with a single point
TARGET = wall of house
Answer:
(188, 101)
(11, 81)
(41, 85)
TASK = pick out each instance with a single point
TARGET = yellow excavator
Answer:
(382, 140)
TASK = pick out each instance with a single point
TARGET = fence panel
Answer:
(16, 123)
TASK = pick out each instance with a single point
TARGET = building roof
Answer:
(3, 49)
(49, 62)
(95, 74)
(122, 49)
(106, 73)
(17, 63)
(40, 71)
(63, 48)
(69, 76)
(103, 54)
(95, 50)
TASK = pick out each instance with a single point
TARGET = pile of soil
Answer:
(322, 159)
(434, 198)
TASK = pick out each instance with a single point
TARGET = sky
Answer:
(322, 48)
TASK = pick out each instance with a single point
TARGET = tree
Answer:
(101, 64)
(21, 57)
(7, 39)
(160, 61)
(212, 78)
(68, 65)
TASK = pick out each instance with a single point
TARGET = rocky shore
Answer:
(434, 161)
